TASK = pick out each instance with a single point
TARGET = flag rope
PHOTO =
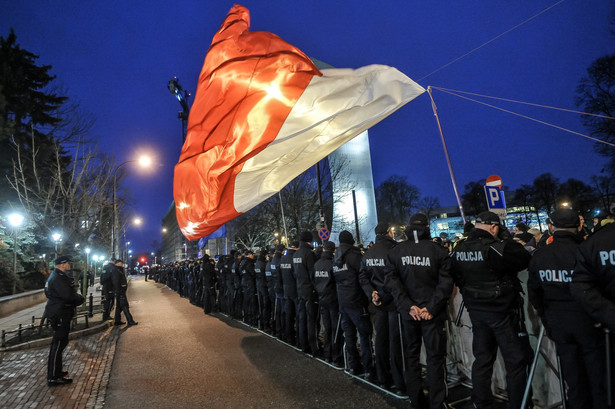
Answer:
(526, 117)
(490, 41)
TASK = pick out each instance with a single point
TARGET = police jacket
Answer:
(371, 275)
(276, 273)
(208, 272)
(248, 275)
(346, 266)
(62, 297)
(485, 269)
(225, 269)
(259, 270)
(236, 272)
(324, 282)
(303, 270)
(288, 278)
(106, 276)
(120, 285)
(593, 282)
(270, 280)
(550, 274)
(418, 273)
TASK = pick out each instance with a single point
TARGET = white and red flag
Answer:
(263, 114)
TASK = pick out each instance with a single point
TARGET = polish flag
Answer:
(263, 114)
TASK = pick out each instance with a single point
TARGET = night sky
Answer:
(115, 59)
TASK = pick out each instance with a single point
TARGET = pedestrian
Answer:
(387, 343)
(62, 300)
(324, 284)
(485, 269)
(418, 275)
(580, 347)
(353, 307)
(121, 286)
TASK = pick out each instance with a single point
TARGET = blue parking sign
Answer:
(495, 198)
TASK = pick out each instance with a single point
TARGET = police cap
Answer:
(487, 218)
(564, 218)
(62, 260)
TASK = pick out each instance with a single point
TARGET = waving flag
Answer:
(263, 114)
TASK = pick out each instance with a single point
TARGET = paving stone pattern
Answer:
(23, 374)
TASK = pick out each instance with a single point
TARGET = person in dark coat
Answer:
(485, 269)
(289, 285)
(108, 297)
(387, 344)
(62, 299)
(579, 346)
(121, 286)
(262, 293)
(307, 310)
(248, 285)
(279, 310)
(208, 280)
(353, 307)
(417, 273)
(324, 284)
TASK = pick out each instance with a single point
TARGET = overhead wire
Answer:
(490, 41)
(457, 94)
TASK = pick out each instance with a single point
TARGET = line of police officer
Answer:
(409, 284)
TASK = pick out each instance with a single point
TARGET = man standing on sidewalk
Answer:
(60, 309)
(120, 286)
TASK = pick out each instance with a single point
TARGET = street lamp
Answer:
(57, 237)
(15, 219)
(87, 262)
(144, 161)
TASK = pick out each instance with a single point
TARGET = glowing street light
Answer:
(144, 161)
(15, 219)
(57, 237)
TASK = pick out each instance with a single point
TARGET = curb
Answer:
(46, 341)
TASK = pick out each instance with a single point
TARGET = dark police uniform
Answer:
(324, 284)
(485, 269)
(579, 346)
(208, 279)
(353, 306)
(307, 310)
(237, 303)
(387, 344)
(120, 286)
(270, 320)
(279, 312)
(289, 285)
(262, 293)
(62, 299)
(248, 285)
(418, 275)
(107, 290)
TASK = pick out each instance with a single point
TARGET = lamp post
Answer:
(144, 161)
(87, 262)
(15, 219)
(57, 237)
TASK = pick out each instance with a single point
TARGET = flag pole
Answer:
(283, 218)
(448, 159)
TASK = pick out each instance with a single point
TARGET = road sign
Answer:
(324, 234)
(494, 180)
(495, 201)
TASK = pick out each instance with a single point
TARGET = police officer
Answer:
(307, 310)
(279, 314)
(262, 295)
(353, 306)
(324, 284)
(387, 344)
(208, 279)
(269, 318)
(107, 289)
(236, 309)
(121, 286)
(289, 285)
(485, 268)
(418, 275)
(62, 298)
(248, 285)
(579, 346)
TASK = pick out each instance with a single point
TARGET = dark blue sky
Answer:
(115, 59)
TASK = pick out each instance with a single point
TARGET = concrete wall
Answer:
(17, 302)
